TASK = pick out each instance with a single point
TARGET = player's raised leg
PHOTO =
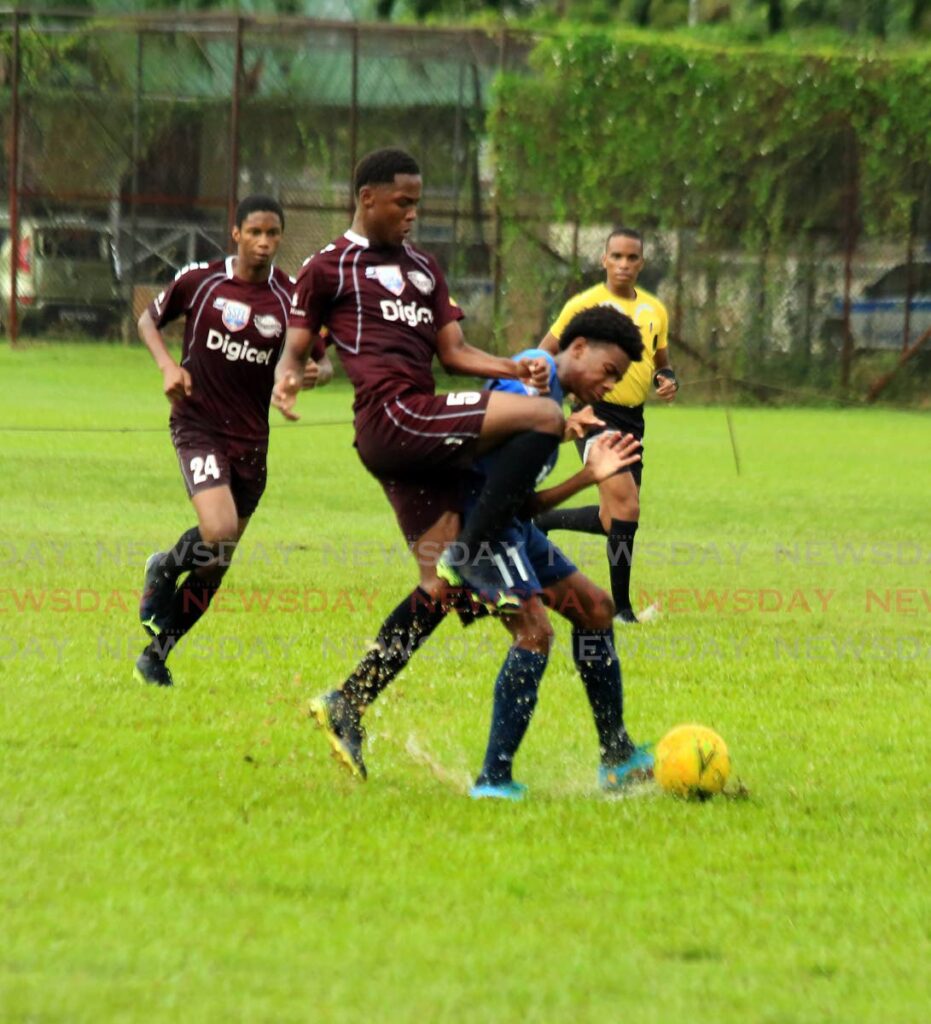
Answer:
(523, 433)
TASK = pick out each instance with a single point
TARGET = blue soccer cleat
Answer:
(637, 768)
(512, 791)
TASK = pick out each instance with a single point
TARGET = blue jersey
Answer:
(531, 562)
(520, 388)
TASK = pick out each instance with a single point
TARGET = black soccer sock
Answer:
(515, 698)
(189, 552)
(405, 629)
(581, 520)
(188, 604)
(620, 558)
(600, 668)
(512, 477)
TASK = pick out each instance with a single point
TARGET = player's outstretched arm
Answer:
(581, 423)
(550, 343)
(609, 454)
(289, 373)
(457, 356)
(317, 374)
(176, 381)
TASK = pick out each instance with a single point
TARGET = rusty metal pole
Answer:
(14, 181)
(233, 185)
(353, 119)
(497, 218)
(129, 333)
(458, 161)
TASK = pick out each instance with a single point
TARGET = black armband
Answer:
(667, 373)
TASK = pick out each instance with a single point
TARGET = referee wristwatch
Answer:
(665, 374)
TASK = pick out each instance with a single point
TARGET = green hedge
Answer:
(754, 140)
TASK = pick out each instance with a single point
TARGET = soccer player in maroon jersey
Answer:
(387, 311)
(236, 314)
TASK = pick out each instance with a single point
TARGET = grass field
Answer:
(194, 854)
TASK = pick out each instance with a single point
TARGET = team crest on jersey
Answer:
(268, 326)
(421, 281)
(388, 277)
(235, 315)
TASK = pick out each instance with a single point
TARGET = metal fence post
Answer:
(353, 119)
(850, 242)
(134, 185)
(14, 180)
(497, 218)
(233, 186)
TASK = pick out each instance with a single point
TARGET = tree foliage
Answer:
(734, 140)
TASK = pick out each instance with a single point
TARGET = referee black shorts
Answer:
(626, 419)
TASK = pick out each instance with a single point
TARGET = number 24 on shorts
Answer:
(202, 468)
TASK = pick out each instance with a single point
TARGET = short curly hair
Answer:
(258, 204)
(380, 166)
(605, 325)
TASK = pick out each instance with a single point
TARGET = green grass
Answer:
(194, 855)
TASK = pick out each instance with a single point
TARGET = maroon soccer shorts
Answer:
(420, 447)
(208, 460)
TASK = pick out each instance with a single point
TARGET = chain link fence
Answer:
(128, 141)
(749, 324)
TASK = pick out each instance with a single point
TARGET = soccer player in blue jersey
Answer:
(595, 350)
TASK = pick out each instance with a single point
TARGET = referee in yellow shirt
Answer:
(618, 512)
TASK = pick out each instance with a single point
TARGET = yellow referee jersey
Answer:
(648, 313)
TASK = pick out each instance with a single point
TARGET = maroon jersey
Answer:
(382, 308)
(233, 335)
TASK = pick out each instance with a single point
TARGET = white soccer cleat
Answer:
(649, 614)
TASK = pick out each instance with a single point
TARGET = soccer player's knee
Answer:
(534, 633)
(600, 611)
(431, 584)
(625, 508)
(220, 535)
(551, 420)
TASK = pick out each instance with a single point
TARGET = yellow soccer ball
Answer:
(692, 761)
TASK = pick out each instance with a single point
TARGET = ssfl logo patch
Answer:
(268, 326)
(388, 277)
(421, 281)
(236, 315)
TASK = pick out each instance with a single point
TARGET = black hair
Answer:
(258, 204)
(380, 167)
(624, 233)
(604, 325)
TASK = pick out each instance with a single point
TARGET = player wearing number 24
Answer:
(236, 314)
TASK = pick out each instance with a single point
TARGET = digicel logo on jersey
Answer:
(411, 314)
(234, 350)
